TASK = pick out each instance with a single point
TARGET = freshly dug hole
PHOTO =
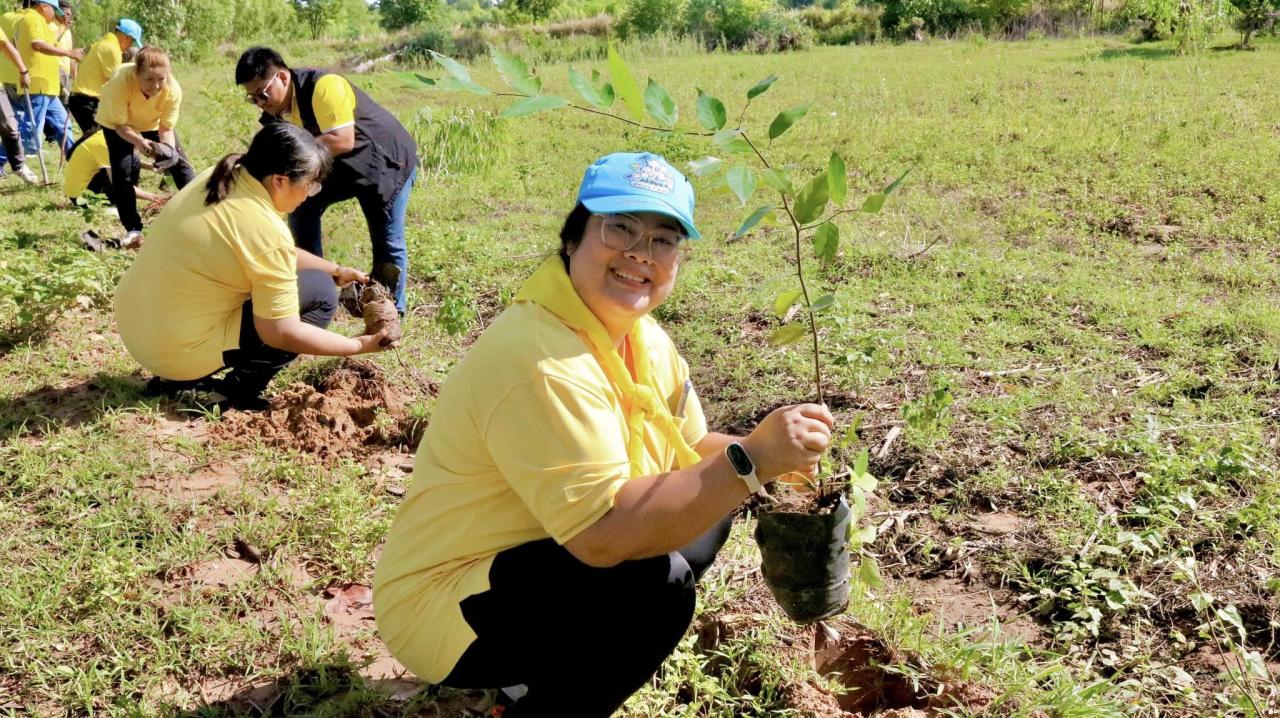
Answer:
(348, 412)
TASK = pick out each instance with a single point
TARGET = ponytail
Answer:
(219, 183)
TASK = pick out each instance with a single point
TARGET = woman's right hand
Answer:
(370, 343)
(790, 438)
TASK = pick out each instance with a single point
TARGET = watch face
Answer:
(741, 462)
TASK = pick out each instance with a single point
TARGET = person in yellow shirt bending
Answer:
(218, 282)
(139, 110)
(567, 495)
(99, 64)
(89, 170)
(36, 44)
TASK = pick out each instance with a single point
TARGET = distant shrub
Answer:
(776, 32)
(520, 11)
(936, 16)
(845, 25)
(647, 17)
(395, 14)
(460, 142)
(1255, 16)
(594, 26)
(432, 38)
(729, 23)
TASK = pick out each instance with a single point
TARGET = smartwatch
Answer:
(744, 467)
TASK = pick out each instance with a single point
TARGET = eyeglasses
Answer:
(314, 188)
(260, 97)
(624, 232)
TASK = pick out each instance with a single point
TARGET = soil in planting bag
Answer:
(805, 561)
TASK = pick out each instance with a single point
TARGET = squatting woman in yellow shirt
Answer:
(219, 283)
(567, 494)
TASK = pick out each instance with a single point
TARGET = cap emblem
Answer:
(651, 173)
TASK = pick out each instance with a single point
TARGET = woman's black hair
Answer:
(575, 225)
(279, 148)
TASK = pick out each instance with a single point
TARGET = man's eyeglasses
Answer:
(624, 232)
(260, 97)
(314, 188)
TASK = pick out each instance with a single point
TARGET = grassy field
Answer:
(1069, 310)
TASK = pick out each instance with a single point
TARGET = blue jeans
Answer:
(386, 222)
(48, 115)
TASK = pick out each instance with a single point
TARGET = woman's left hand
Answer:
(346, 275)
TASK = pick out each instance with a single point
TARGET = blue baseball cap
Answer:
(53, 4)
(130, 28)
(638, 182)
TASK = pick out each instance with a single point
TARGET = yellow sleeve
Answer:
(551, 440)
(694, 428)
(169, 116)
(273, 278)
(113, 107)
(3, 37)
(334, 103)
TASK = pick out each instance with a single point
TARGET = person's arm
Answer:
(24, 78)
(146, 196)
(654, 515)
(51, 49)
(342, 275)
(135, 138)
(340, 141)
(294, 335)
(714, 443)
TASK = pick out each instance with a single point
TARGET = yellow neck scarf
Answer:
(551, 288)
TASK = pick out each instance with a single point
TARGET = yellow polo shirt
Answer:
(178, 306)
(62, 34)
(8, 24)
(527, 441)
(32, 27)
(99, 64)
(333, 101)
(89, 159)
(123, 103)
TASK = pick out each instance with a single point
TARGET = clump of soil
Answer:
(349, 412)
(373, 303)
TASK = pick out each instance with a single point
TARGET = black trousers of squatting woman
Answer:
(582, 639)
(125, 169)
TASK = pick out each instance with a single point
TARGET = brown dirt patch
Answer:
(956, 605)
(351, 411)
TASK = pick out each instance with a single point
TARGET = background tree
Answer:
(395, 14)
(1255, 16)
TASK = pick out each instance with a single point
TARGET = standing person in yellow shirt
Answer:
(35, 42)
(567, 495)
(139, 110)
(218, 282)
(99, 64)
(10, 137)
(62, 36)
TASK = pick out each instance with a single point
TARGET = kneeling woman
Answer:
(89, 170)
(218, 282)
(567, 495)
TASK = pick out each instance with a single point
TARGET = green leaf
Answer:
(752, 220)
(625, 84)
(786, 119)
(867, 534)
(778, 180)
(731, 141)
(452, 66)
(530, 105)
(742, 181)
(705, 166)
(515, 72)
(894, 185)
(660, 104)
(786, 335)
(873, 203)
(759, 88)
(862, 462)
(595, 94)
(414, 79)
(837, 179)
(784, 301)
(812, 200)
(824, 302)
(453, 83)
(825, 242)
(869, 572)
(711, 113)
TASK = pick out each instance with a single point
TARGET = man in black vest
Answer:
(375, 159)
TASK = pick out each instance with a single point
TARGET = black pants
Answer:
(83, 109)
(254, 364)
(582, 639)
(125, 170)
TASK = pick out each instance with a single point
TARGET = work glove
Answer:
(163, 156)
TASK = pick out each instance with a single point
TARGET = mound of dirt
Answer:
(349, 412)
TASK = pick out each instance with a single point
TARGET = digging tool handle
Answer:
(62, 141)
(44, 171)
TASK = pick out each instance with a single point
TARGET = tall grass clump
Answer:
(463, 141)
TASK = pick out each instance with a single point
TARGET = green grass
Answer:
(1085, 254)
